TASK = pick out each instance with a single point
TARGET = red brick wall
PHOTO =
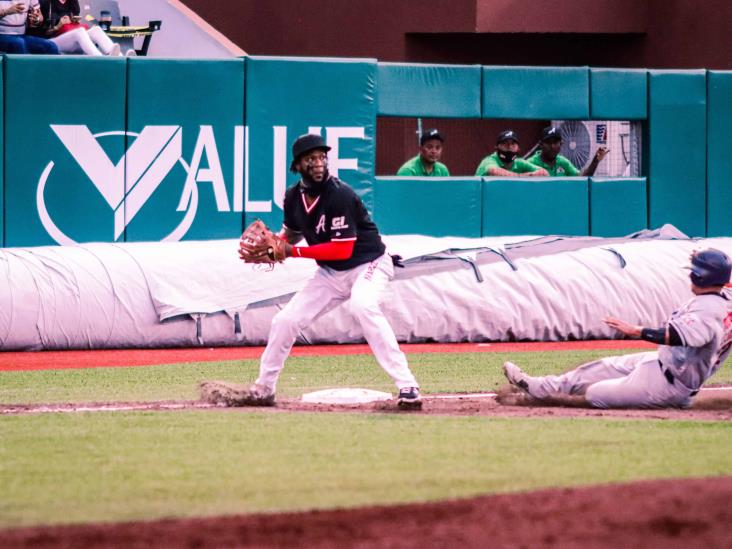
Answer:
(678, 33)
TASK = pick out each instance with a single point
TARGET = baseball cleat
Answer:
(409, 398)
(516, 376)
(258, 395)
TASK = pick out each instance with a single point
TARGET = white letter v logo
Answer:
(145, 165)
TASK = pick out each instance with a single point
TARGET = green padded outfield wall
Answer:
(410, 89)
(419, 205)
(618, 207)
(618, 94)
(536, 92)
(535, 206)
(287, 97)
(93, 143)
(719, 153)
(64, 127)
(186, 179)
(677, 150)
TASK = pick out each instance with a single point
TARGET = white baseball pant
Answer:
(363, 285)
(90, 42)
(626, 381)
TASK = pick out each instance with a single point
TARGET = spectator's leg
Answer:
(12, 43)
(100, 38)
(76, 41)
(35, 44)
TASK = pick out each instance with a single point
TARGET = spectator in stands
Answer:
(16, 16)
(64, 28)
(504, 162)
(548, 157)
(427, 162)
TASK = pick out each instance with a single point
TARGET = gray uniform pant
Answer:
(363, 285)
(627, 381)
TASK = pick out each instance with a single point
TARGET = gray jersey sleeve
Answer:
(697, 322)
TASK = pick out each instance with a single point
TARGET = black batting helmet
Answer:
(710, 267)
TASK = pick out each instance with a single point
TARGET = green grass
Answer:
(62, 468)
(436, 372)
(125, 466)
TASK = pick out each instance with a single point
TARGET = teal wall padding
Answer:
(618, 94)
(536, 92)
(618, 207)
(420, 205)
(191, 110)
(719, 153)
(65, 123)
(408, 89)
(113, 162)
(287, 97)
(535, 206)
(677, 150)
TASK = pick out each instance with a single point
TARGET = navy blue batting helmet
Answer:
(710, 267)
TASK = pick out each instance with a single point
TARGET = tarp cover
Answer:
(451, 290)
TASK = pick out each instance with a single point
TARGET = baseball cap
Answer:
(549, 133)
(507, 135)
(430, 134)
(307, 142)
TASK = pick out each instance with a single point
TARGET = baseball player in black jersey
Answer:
(354, 266)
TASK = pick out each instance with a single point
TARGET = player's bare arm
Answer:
(632, 330)
(664, 335)
(500, 172)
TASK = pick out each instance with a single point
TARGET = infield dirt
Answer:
(665, 513)
(714, 404)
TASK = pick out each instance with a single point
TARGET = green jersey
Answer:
(519, 165)
(562, 166)
(416, 167)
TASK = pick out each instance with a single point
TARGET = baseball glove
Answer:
(232, 394)
(260, 245)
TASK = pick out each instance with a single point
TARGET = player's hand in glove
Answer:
(260, 245)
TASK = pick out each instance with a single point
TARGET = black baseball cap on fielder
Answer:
(430, 134)
(507, 135)
(550, 133)
(306, 143)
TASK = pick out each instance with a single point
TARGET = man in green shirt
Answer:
(504, 162)
(548, 156)
(427, 162)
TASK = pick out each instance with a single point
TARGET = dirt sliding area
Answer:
(711, 404)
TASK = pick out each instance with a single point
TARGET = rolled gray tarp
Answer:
(183, 294)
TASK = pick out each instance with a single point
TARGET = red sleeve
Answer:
(328, 251)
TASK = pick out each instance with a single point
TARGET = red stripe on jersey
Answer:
(310, 208)
(328, 251)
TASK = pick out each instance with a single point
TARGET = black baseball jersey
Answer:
(337, 214)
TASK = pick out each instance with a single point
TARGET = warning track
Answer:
(106, 358)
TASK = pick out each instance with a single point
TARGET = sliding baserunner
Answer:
(693, 343)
